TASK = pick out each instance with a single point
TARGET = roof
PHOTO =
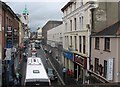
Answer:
(53, 23)
(68, 4)
(35, 69)
(6, 7)
(112, 30)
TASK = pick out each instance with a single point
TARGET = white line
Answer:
(54, 69)
(57, 72)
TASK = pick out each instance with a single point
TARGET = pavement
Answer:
(58, 67)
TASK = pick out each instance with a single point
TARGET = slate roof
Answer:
(112, 30)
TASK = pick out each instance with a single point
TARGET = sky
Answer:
(40, 11)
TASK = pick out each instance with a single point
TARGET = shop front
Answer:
(68, 59)
(80, 66)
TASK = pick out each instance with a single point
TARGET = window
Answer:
(97, 43)
(84, 44)
(66, 27)
(75, 22)
(75, 43)
(67, 41)
(107, 44)
(66, 11)
(71, 25)
(81, 2)
(96, 65)
(105, 68)
(70, 8)
(80, 44)
(36, 71)
(71, 40)
(74, 5)
(82, 22)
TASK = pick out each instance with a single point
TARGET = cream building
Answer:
(76, 20)
(55, 40)
(39, 33)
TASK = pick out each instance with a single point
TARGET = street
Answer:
(47, 64)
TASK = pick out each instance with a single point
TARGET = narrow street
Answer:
(60, 43)
(47, 64)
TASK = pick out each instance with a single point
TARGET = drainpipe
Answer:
(88, 63)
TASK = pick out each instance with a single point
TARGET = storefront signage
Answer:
(80, 60)
(68, 55)
(110, 69)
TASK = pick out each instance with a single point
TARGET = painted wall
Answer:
(104, 55)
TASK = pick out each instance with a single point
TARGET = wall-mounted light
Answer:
(76, 56)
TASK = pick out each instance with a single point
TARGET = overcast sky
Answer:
(40, 11)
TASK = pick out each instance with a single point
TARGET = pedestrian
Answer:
(20, 78)
(15, 81)
(17, 78)
(50, 52)
(68, 72)
(64, 73)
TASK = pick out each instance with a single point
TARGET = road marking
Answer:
(54, 68)
(56, 72)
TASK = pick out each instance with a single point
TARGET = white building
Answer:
(55, 35)
(76, 21)
(39, 33)
(55, 40)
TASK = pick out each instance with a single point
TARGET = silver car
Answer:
(51, 74)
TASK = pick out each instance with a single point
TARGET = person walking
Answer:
(64, 73)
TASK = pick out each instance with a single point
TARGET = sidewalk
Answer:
(68, 79)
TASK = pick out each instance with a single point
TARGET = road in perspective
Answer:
(60, 43)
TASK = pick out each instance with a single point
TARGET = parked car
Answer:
(51, 74)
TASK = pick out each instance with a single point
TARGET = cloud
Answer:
(39, 12)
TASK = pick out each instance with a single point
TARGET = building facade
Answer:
(55, 40)
(49, 25)
(104, 43)
(10, 40)
(76, 20)
(39, 33)
(105, 54)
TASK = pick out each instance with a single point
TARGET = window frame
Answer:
(97, 43)
(84, 44)
(107, 44)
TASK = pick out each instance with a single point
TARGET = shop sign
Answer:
(68, 55)
(110, 69)
(80, 60)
